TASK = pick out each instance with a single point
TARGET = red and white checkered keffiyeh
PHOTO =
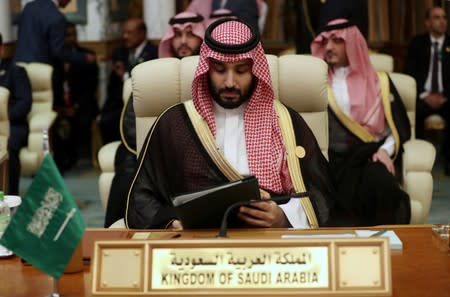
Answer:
(362, 81)
(264, 143)
(165, 46)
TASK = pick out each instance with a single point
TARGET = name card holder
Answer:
(250, 267)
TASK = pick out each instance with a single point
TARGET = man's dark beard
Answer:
(195, 51)
(228, 104)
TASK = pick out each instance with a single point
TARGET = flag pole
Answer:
(45, 142)
(46, 151)
(55, 292)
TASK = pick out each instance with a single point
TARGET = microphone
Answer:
(279, 199)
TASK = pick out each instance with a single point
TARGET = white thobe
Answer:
(230, 136)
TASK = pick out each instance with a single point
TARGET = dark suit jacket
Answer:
(41, 35)
(83, 83)
(15, 79)
(110, 114)
(246, 10)
(354, 10)
(320, 13)
(418, 62)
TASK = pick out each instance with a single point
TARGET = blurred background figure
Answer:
(183, 36)
(249, 11)
(313, 14)
(429, 63)
(75, 103)
(135, 49)
(15, 79)
(220, 14)
(41, 30)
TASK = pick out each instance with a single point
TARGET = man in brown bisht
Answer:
(368, 125)
(243, 132)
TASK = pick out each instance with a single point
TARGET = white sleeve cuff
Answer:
(389, 145)
(295, 214)
(423, 95)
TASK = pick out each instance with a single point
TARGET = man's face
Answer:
(185, 43)
(70, 39)
(63, 3)
(231, 83)
(132, 36)
(437, 22)
(335, 52)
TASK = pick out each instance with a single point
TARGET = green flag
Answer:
(47, 226)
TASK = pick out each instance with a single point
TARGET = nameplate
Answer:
(253, 267)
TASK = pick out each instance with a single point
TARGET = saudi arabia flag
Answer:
(47, 226)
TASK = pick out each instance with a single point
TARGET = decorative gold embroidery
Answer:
(385, 92)
(209, 142)
(287, 130)
(354, 127)
(300, 152)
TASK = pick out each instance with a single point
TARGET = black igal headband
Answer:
(197, 19)
(215, 15)
(231, 48)
(336, 26)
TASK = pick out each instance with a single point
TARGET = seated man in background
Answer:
(246, 10)
(232, 92)
(367, 126)
(136, 49)
(15, 79)
(220, 13)
(429, 63)
(182, 39)
(76, 105)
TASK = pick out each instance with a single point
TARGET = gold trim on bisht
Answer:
(359, 130)
(143, 153)
(208, 141)
(122, 133)
(210, 144)
(348, 122)
(384, 85)
(293, 156)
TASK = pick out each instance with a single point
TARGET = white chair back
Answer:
(382, 62)
(406, 87)
(299, 81)
(4, 119)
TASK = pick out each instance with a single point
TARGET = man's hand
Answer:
(119, 69)
(382, 156)
(263, 214)
(435, 101)
(175, 225)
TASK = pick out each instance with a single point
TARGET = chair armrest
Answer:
(3, 156)
(418, 155)
(106, 156)
(418, 159)
(4, 170)
(42, 120)
(3, 148)
(119, 224)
